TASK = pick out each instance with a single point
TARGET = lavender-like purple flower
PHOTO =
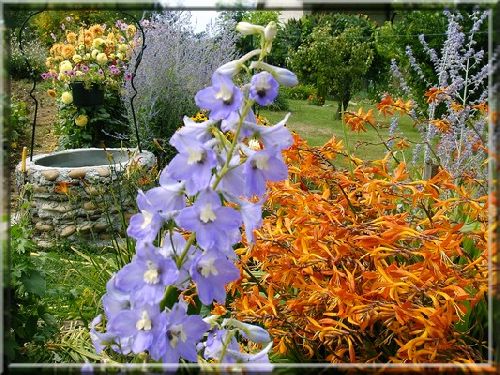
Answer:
(142, 325)
(221, 99)
(211, 272)
(180, 333)
(216, 226)
(263, 88)
(262, 166)
(193, 163)
(145, 225)
(147, 275)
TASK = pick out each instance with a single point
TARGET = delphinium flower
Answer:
(188, 226)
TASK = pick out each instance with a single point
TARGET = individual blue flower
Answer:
(277, 136)
(147, 275)
(262, 166)
(115, 300)
(144, 226)
(211, 272)
(142, 325)
(263, 88)
(180, 334)
(193, 163)
(194, 130)
(222, 98)
(215, 225)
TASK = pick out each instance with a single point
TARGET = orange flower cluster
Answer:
(387, 106)
(357, 121)
(365, 267)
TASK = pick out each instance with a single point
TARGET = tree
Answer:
(337, 64)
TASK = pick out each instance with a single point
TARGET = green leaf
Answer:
(34, 282)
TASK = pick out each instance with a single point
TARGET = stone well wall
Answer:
(84, 203)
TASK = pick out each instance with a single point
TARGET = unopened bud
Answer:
(270, 31)
(248, 29)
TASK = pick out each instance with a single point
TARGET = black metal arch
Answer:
(34, 78)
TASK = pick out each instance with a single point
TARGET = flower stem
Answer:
(229, 155)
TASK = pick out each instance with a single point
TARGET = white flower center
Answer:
(225, 94)
(254, 144)
(195, 155)
(175, 333)
(144, 323)
(262, 83)
(151, 276)
(147, 217)
(261, 162)
(207, 268)
(207, 214)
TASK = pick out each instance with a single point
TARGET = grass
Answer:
(317, 124)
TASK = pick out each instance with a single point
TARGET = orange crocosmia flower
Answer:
(62, 187)
(385, 105)
(444, 126)
(457, 107)
(483, 107)
(354, 122)
(435, 93)
(402, 144)
(368, 117)
(402, 106)
(331, 148)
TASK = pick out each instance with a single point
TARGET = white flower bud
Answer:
(248, 29)
(270, 31)
(230, 68)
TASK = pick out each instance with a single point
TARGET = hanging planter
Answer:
(87, 96)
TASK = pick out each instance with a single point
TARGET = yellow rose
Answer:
(131, 30)
(65, 66)
(101, 58)
(96, 30)
(94, 53)
(67, 51)
(87, 56)
(71, 37)
(112, 56)
(77, 58)
(119, 56)
(81, 120)
(67, 97)
(111, 37)
(97, 42)
(123, 47)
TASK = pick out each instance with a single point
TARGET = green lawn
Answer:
(317, 124)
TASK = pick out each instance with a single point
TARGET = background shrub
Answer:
(34, 52)
(299, 92)
(176, 64)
